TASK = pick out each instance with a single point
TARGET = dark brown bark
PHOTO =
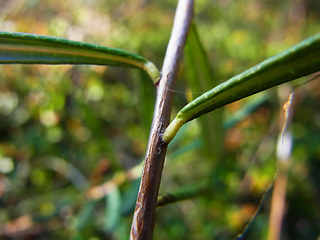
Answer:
(144, 215)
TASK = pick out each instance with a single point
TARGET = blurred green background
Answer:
(72, 137)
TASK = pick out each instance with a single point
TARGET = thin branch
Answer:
(256, 213)
(284, 148)
(143, 219)
(185, 193)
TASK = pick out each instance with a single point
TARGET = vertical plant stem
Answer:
(144, 214)
(280, 184)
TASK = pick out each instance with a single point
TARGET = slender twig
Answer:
(256, 213)
(283, 154)
(185, 193)
(143, 219)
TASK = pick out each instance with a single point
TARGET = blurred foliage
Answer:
(71, 136)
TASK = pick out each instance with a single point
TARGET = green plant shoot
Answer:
(35, 49)
(297, 61)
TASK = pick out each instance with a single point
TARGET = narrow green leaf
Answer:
(113, 210)
(299, 60)
(237, 117)
(35, 49)
(85, 214)
(200, 77)
(129, 197)
(146, 95)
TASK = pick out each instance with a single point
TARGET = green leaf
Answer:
(35, 49)
(299, 60)
(200, 77)
(113, 210)
(237, 117)
(129, 197)
(85, 214)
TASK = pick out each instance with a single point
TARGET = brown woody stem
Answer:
(144, 214)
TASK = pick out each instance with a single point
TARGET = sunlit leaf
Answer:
(35, 49)
(297, 61)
